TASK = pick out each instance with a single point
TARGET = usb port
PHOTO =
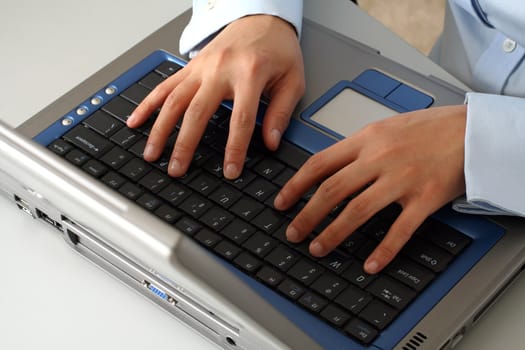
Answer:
(159, 293)
(40, 214)
(24, 206)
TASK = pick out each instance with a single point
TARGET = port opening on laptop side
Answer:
(142, 279)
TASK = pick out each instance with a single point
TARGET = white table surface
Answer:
(50, 297)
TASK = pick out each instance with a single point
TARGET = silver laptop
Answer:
(212, 252)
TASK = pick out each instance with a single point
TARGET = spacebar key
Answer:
(88, 141)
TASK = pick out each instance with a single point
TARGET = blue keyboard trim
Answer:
(56, 130)
(484, 233)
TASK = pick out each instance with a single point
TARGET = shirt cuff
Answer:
(211, 16)
(494, 149)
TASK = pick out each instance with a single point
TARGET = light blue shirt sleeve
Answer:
(209, 16)
(494, 155)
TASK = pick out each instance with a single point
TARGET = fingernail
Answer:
(292, 234)
(231, 171)
(316, 249)
(278, 202)
(175, 168)
(371, 266)
(275, 136)
(149, 151)
(131, 118)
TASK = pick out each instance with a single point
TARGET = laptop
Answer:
(212, 252)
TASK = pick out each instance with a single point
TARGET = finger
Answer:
(398, 235)
(316, 168)
(154, 100)
(279, 111)
(203, 105)
(329, 194)
(358, 211)
(174, 106)
(242, 124)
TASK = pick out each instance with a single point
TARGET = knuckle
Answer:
(330, 188)
(315, 163)
(242, 120)
(197, 111)
(359, 209)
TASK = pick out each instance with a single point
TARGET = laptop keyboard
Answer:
(236, 220)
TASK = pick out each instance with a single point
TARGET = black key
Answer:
(125, 137)
(120, 108)
(215, 166)
(428, 255)
(204, 184)
(410, 273)
(225, 195)
(155, 181)
(95, 168)
(242, 181)
(201, 154)
(60, 147)
(268, 220)
(366, 248)
(353, 299)
(135, 93)
(135, 169)
(151, 80)
(113, 180)
(282, 257)
(227, 250)
(195, 205)
(291, 154)
(335, 315)
(376, 228)
(269, 276)
(130, 190)
(149, 202)
(353, 242)
(188, 226)
(216, 218)
(222, 115)
(260, 244)
(247, 208)
(77, 157)
(116, 157)
(168, 68)
(282, 178)
(103, 123)
(238, 231)
(392, 292)
(291, 289)
(168, 214)
(174, 193)
(336, 261)
(268, 168)
(248, 262)
(138, 147)
(444, 236)
(361, 331)
(207, 237)
(329, 285)
(312, 302)
(378, 314)
(88, 141)
(260, 189)
(305, 271)
(356, 275)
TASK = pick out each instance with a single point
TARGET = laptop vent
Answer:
(417, 340)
